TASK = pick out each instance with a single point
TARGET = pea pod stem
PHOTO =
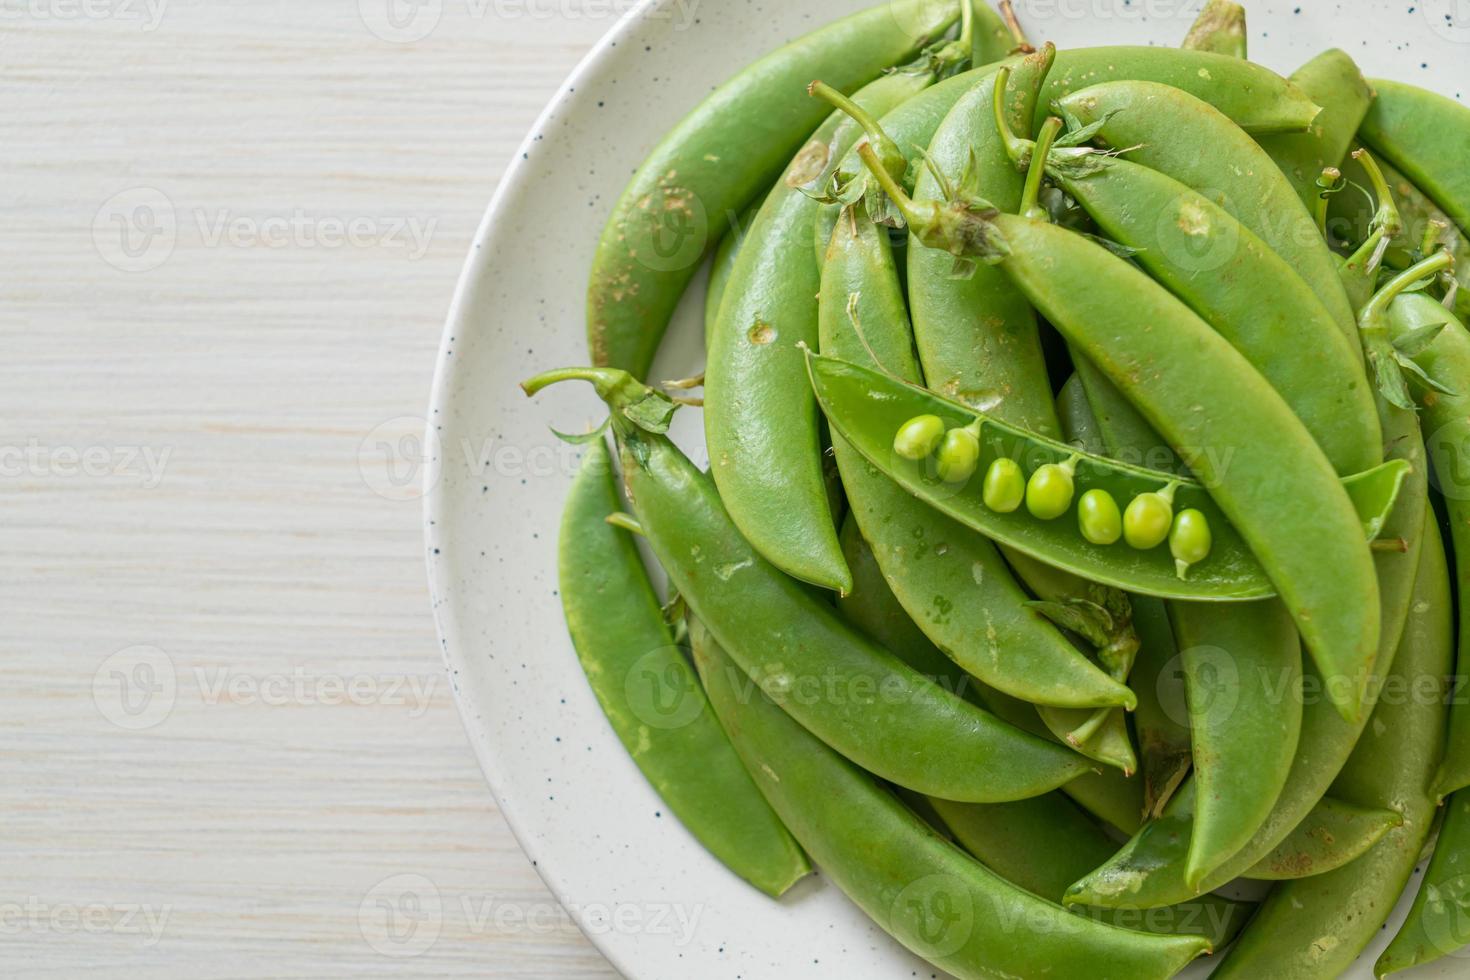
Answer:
(821, 90)
(1386, 225)
(1037, 169)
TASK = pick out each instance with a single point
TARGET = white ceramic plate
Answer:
(638, 884)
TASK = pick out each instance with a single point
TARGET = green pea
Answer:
(1190, 539)
(1147, 520)
(959, 455)
(1049, 491)
(1098, 517)
(918, 437)
(1005, 486)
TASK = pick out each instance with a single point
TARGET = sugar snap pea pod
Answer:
(858, 697)
(976, 335)
(1043, 843)
(1243, 674)
(761, 425)
(918, 887)
(1444, 357)
(1171, 131)
(1219, 28)
(1427, 136)
(1202, 254)
(715, 162)
(951, 580)
(867, 407)
(1259, 100)
(1150, 870)
(650, 694)
(1436, 926)
(1337, 833)
(1333, 81)
(1162, 716)
(1315, 927)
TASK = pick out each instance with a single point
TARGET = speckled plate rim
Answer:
(1377, 35)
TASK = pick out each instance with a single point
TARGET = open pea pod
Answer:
(868, 407)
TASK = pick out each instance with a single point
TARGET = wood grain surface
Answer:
(231, 231)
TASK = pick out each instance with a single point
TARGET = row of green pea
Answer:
(1148, 521)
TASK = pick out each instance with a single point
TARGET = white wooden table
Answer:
(229, 231)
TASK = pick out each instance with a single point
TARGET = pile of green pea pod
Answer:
(1089, 440)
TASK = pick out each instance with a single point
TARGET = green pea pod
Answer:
(1150, 870)
(873, 608)
(760, 422)
(1316, 927)
(1173, 132)
(1219, 28)
(650, 694)
(1275, 491)
(1162, 716)
(1427, 136)
(866, 407)
(1350, 213)
(718, 159)
(721, 266)
(853, 694)
(951, 580)
(1243, 675)
(976, 335)
(1436, 926)
(918, 887)
(1333, 81)
(1337, 833)
(1446, 419)
(1042, 844)
(1202, 254)
(1259, 100)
